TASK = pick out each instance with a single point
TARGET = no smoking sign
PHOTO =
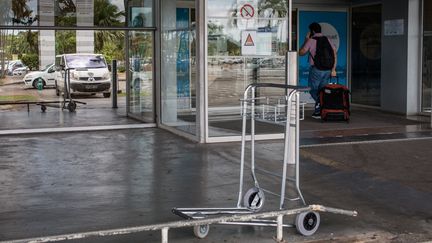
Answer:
(247, 11)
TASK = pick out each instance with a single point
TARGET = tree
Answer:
(63, 9)
(4, 18)
(279, 8)
(67, 43)
(107, 14)
(31, 61)
(25, 43)
(21, 11)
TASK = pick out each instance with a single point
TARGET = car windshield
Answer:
(85, 61)
(46, 67)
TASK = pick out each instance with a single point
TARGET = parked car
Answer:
(46, 76)
(89, 74)
(20, 71)
(16, 64)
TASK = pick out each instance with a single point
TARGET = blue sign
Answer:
(334, 26)
(183, 56)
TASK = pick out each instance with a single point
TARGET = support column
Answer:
(85, 14)
(46, 37)
(401, 69)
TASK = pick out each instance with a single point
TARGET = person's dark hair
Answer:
(315, 27)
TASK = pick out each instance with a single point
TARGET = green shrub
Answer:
(31, 61)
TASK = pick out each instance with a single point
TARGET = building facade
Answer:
(188, 62)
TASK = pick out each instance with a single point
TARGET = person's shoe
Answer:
(316, 115)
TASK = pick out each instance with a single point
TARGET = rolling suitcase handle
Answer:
(331, 80)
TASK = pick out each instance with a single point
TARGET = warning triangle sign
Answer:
(249, 41)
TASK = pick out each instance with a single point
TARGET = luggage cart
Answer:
(67, 102)
(287, 112)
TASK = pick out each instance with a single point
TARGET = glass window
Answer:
(141, 75)
(109, 13)
(178, 65)
(427, 15)
(231, 26)
(427, 73)
(19, 12)
(64, 12)
(68, 13)
(140, 13)
(88, 61)
(427, 57)
(366, 55)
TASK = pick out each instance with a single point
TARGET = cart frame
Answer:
(252, 201)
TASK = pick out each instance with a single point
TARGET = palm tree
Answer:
(21, 11)
(62, 9)
(26, 43)
(107, 14)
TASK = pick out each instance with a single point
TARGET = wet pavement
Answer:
(73, 182)
(96, 112)
(85, 115)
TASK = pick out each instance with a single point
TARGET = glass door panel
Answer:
(141, 101)
(427, 73)
(427, 56)
(366, 55)
(178, 66)
(234, 26)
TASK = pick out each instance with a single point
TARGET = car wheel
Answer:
(36, 81)
(106, 95)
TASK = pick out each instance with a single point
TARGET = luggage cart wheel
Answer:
(71, 106)
(201, 231)
(307, 223)
(43, 108)
(254, 199)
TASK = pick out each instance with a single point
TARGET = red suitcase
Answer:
(335, 102)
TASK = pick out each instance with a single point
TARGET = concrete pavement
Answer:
(73, 182)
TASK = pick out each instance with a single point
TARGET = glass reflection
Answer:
(427, 57)
(70, 13)
(141, 75)
(366, 55)
(140, 13)
(178, 89)
(427, 74)
(230, 70)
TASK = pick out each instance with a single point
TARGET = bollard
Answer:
(114, 84)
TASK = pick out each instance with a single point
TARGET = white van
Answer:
(89, 74)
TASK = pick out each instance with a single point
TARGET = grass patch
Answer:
(17, 97)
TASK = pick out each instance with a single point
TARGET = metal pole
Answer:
(279, 236)
(297, 147)
(290, 25)
(184, 223)
(253, 137)
(243, 144)
(165, 235)
(114, 83)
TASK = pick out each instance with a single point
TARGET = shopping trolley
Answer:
(286, 110)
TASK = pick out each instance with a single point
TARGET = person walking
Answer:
(322, 60)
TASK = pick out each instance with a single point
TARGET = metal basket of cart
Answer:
(285, 110)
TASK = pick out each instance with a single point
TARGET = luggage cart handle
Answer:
(283, 86)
